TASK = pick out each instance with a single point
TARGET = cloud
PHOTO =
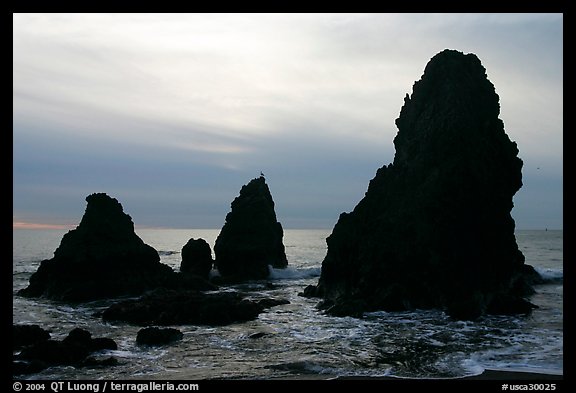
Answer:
(183, 109)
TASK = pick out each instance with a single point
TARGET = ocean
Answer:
(298, 341)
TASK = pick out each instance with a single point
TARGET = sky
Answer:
(172, 113)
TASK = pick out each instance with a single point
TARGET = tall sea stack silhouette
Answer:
(103, 257)
(434, 229)
(251, 238)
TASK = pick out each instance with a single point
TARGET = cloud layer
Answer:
(173, 113)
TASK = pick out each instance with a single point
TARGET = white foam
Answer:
(291, 273)
(549, 274)
(472, 367)
(125, 354)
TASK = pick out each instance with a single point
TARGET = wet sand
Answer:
(515, 375)
(486, 375)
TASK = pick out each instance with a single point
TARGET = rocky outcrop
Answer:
(158, 336)
(164, 307)
(251, 238)
(434, 229)
(74, 350)
(103, 257)
(25, 335)
(196, 258)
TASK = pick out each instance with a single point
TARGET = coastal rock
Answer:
(72, 351)
(251, 238)
(197, 258)
(189, 281)
(103, 257)
(83, 338)
(157, 336)
(23, 367)
(25, 335)
(163, 307)
(434, 229)
(272, 302)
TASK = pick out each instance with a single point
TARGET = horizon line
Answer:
(39, 225)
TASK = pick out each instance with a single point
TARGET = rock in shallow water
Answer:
(25, 335)
(103, 257)
(170, 307)
(72, 351)
(434, 229)
(251, 238)
(158, 336)
(197, 258)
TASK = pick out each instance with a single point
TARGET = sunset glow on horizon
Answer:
(36, 225)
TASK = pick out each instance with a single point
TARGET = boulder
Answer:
(25, 335)
(163, 307)
(158, 336)
(72, 351)
(23, 367)
(196, 258)
(83, 338)
(434, 229)
(251, 238)
(103, 257)
(272, 302)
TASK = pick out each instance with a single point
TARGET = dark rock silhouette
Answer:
(25, 335)
(164, 307)
(251, 238)
(102, 257)
(197, 258)
(74, 350)
(434, 229)
(271, 302)
(158, 336)
(83, 338)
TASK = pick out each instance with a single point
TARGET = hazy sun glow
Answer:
(173, 113)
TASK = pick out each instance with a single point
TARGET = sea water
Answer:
(297, 340)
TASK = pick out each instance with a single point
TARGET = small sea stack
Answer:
(434, 229)
(196, 258)
(102, 258)
(251, 238)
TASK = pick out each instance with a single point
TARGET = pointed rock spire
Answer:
(251, 238)
(434, 229)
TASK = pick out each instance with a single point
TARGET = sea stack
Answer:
(434, 229)
(103, 257)
(251, 238)
(197, 258)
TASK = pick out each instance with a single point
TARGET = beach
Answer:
(487, 375)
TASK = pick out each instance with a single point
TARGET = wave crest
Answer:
(291, 273)
(550, 275)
